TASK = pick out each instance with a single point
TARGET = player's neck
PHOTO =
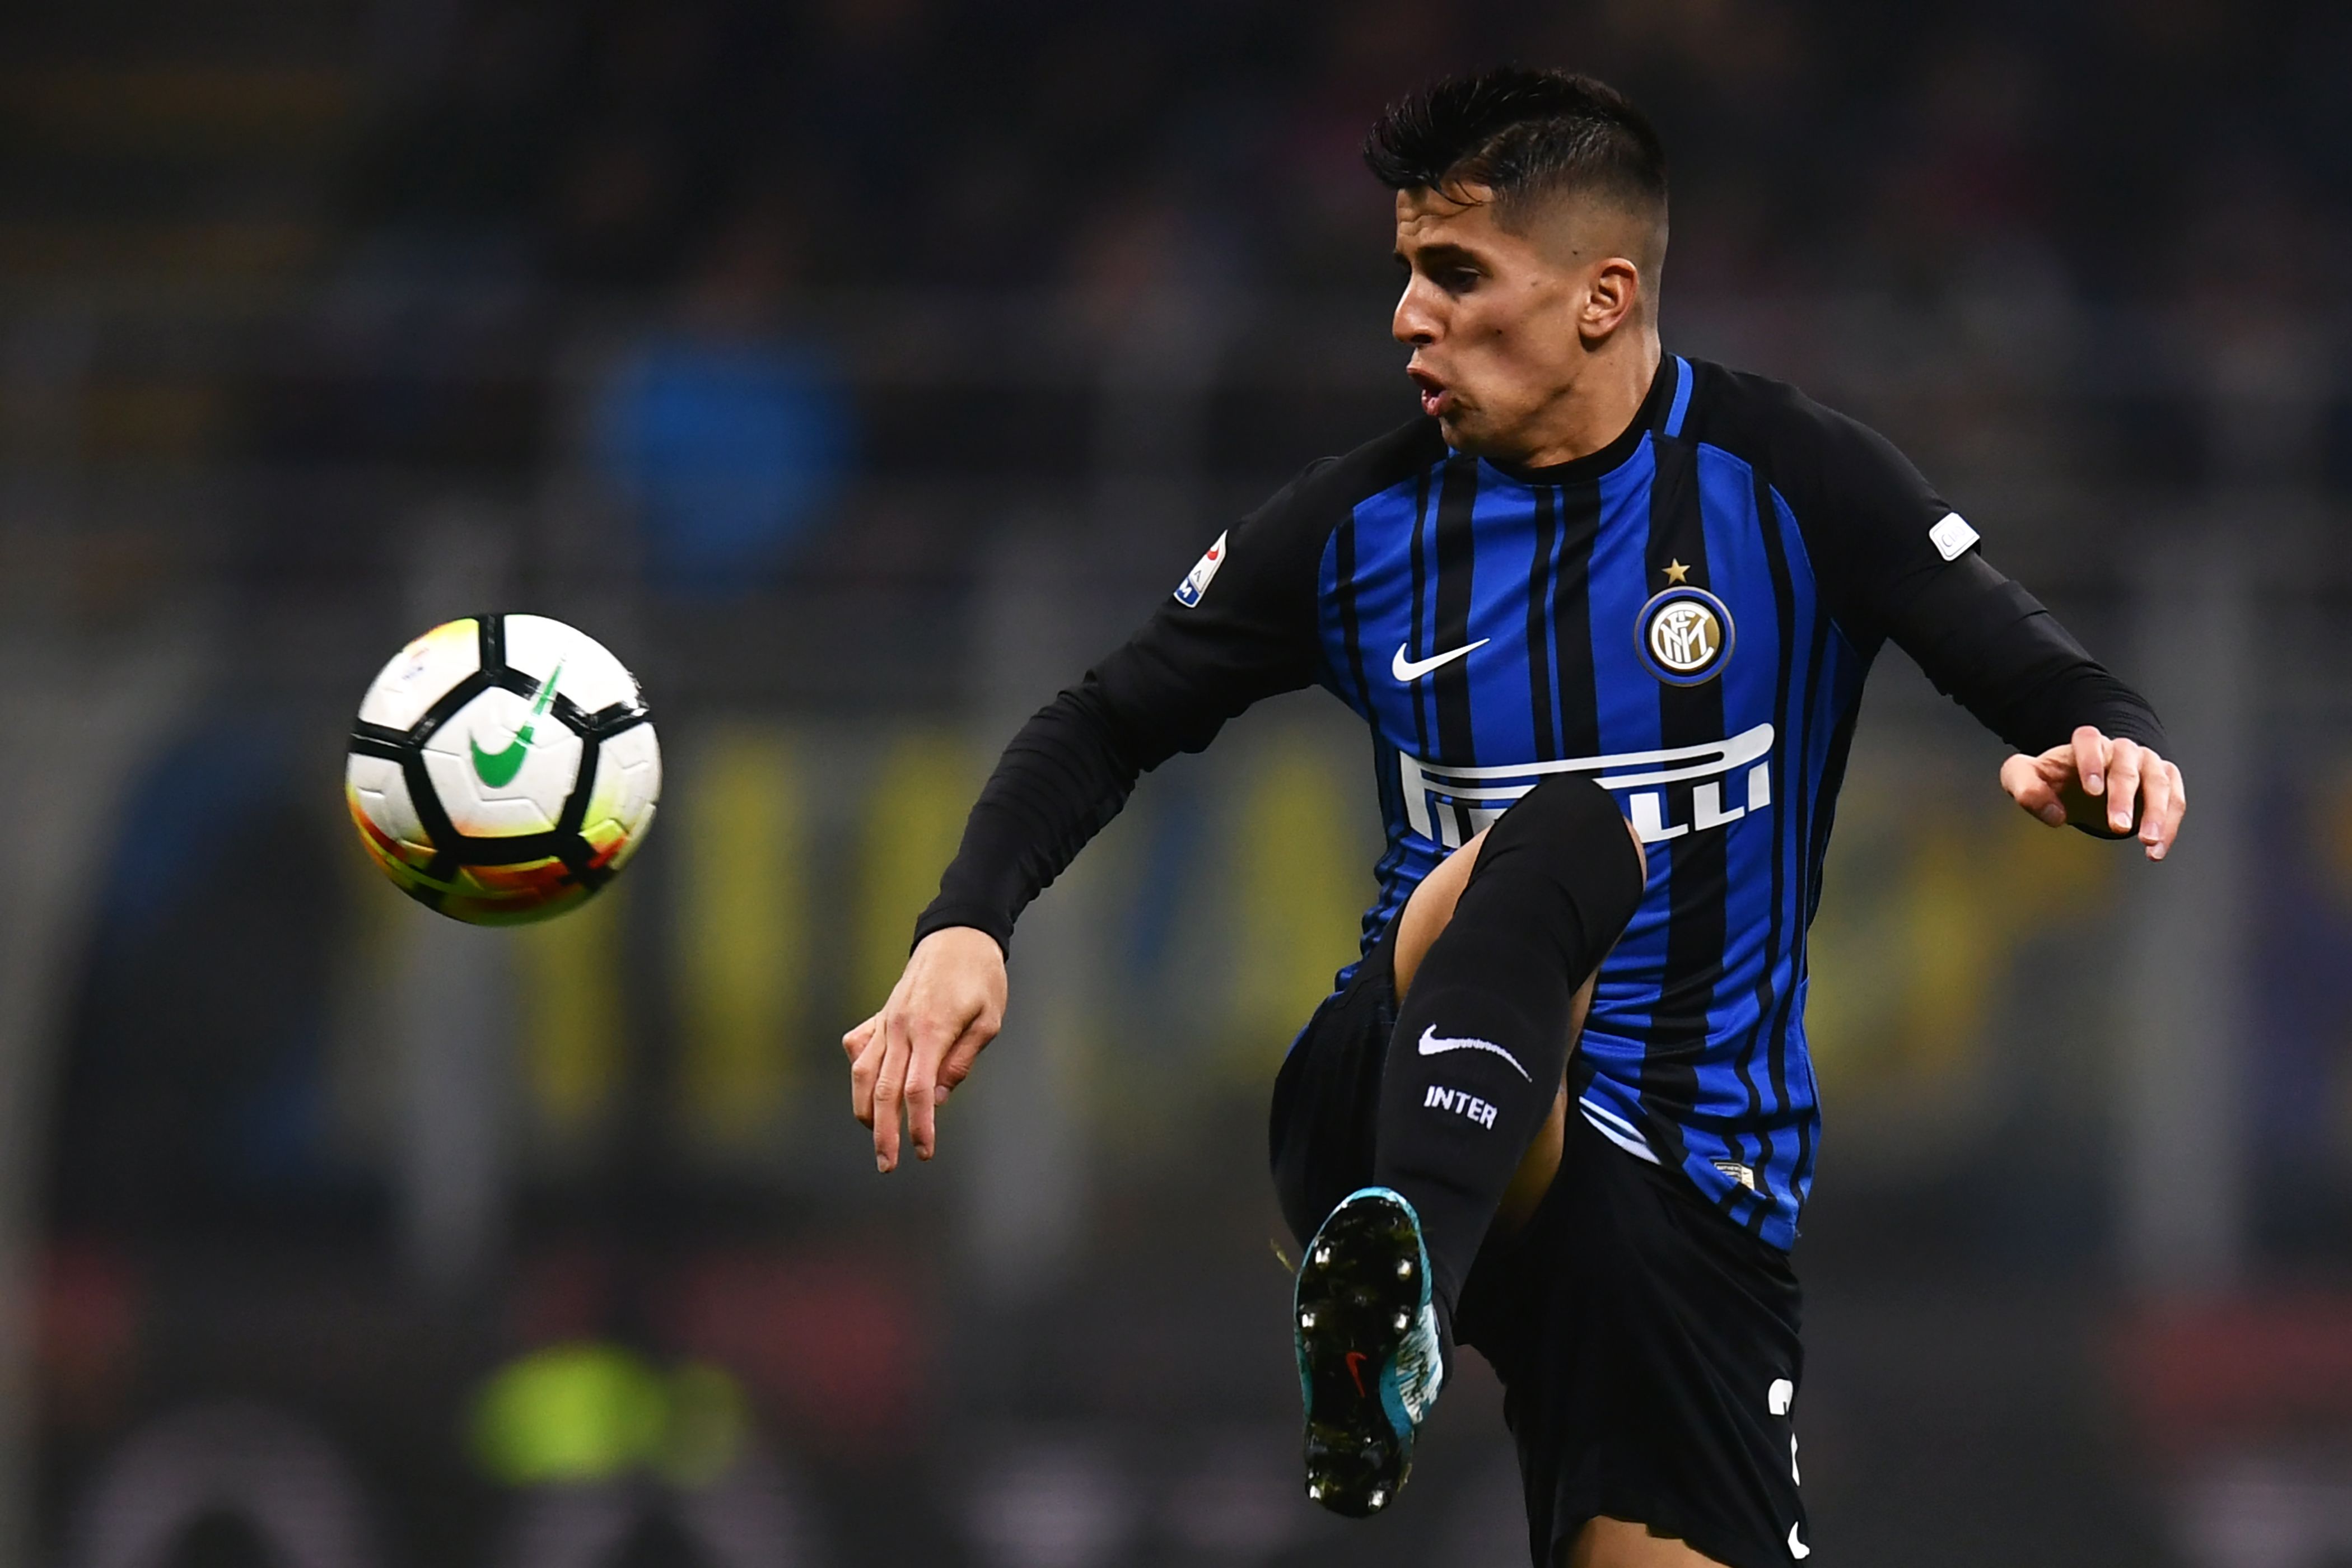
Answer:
(1596, 408)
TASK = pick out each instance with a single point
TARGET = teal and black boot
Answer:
(1370, 1364)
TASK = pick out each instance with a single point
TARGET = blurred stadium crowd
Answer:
(2115, 150)
(856, 370)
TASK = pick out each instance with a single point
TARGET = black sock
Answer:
(1482, 1036)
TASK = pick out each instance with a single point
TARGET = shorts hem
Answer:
(1722, 1544)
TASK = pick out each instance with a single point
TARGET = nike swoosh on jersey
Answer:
(1434, 1044)
(1411, 669)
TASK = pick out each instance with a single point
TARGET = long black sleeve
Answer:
(1241, 628)
(1990, 647)
(1059, 783)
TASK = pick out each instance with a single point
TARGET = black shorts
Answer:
(1647, 1346)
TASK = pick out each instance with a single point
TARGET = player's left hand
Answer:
(2102, 783)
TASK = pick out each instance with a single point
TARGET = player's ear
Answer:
(1613, 291)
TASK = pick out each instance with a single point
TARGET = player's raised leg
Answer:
(1487, 1017)
(1471, 1071)
(1602, 1542)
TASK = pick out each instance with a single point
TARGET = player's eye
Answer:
(1457, 279)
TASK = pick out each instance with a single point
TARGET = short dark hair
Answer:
(1521, 133)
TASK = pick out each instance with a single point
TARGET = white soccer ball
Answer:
(503, 769)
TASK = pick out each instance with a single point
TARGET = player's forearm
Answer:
(2046, 712)
(1063, 778)
(1993, 648)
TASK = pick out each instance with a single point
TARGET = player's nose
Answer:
(1414, 324)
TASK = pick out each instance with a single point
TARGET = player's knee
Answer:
(1567, 834)
(1571, 825)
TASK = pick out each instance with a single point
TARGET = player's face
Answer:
(1500, 324)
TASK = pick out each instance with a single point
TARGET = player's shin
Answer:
(1483, 1035)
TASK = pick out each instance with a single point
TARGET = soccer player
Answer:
(1608, 612)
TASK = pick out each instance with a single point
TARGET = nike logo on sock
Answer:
(1434, 1044)
(1410, 670)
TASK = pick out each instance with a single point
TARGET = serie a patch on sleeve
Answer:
(1950, 536)
(1204, 572)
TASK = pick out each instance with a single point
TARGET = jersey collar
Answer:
(1661, 411)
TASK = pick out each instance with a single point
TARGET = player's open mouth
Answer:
(1436, 398)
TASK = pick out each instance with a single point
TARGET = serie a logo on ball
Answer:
(1684, 635)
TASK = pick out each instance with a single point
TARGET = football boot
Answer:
(1369, 1362)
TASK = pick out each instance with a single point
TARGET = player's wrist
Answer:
(943, 917)
(967, 938)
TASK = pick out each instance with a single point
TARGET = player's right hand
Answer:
(948, 1004)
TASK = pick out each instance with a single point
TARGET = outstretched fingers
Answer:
(930, 1046)
(864, 1045)
(893, 1060)
(2127, 760)
(2163, 801)
(2091, 749)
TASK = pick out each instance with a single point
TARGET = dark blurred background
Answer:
(856, 370)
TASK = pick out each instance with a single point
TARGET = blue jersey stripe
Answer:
(1682, 397)
(1384, 535)
(1690, 713)
(1452, 594)
(1499, 671)
(1543, 712)
(1742, 580)
(1626, 709)
(1740, 577)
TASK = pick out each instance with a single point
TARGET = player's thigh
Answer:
(1618, 1543)
(1432, 906)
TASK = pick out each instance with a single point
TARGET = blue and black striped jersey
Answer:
(1686, 616)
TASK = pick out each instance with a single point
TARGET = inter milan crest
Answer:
(1684, 635)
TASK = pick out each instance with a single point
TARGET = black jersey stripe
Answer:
(1543, 582)
(1574, 683)
(1457, 505)
(1384, 907)
(1784, 611)
(1687, 715)
(1818, 657)
(1351, 631)
(1800, 746)
(1419, 641)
